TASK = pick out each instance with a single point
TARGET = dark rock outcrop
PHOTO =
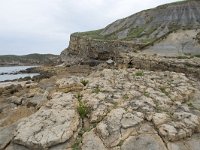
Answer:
(82, 49)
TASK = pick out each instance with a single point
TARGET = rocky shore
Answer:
(188, 65)
(111, 94)
(39, 74)
(83, 107)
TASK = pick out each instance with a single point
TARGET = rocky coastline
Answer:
(83, 107)
(42, 74)
(110, 94)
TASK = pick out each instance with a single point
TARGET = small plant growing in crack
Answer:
(83, 109)
(125, 96)
(96, 89)
(84, 82)
(79, 139)
(190, 104)
(139, 74)
(163, 90)
(76, 145)
(159, 109)
(79, 96)
(120, 143)
(147, 94)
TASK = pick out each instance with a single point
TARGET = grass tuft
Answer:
(139, 73)
(83, 109)
(96, 89)
(84, 82)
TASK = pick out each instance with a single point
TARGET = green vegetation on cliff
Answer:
(152, 24)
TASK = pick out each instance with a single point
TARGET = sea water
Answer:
(9, 72)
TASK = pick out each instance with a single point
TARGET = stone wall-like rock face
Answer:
(187, 65)
(83, 49)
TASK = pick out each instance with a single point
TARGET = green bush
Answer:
(163, 90)
(79, 96)
(76, 145)
(126, 96)
(84, 82)
(96, 89)
(197, 56)
(146, 94)
(83, 109)
(139, 73)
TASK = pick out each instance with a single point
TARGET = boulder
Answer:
(53, 124)
(92, 141)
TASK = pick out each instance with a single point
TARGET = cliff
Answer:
(151, 30)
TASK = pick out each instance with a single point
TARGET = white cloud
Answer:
(28, 26)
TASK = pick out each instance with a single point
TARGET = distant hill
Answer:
(149, 25)
(171, 29)
(31, 59)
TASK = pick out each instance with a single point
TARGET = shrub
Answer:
(76, 145)
(84, 82)
(197, 56)
(126, 96)
(83, 109)
(146, 94)
(96, 89)
(182, 57)
(163, 90)
(139, 73)
(79, 96)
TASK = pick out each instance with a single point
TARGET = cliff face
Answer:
(139, 31)
(154, 23)
(84, 50)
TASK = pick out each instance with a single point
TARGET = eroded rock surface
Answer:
(129, 109)
(122, 101)
(53, 124)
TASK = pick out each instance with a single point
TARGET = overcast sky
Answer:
(44, 26)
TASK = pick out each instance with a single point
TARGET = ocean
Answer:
(7, 73)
